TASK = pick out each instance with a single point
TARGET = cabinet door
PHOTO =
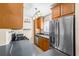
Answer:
(56, 12)
(67, 8)
(42, 23)
(46, 44)
(11, 15)
(39, 23)
(43, 43)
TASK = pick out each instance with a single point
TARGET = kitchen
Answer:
(29, 30)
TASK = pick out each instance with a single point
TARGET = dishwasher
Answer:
(36, 39)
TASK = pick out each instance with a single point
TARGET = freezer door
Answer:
(54, 34)
(66, 34)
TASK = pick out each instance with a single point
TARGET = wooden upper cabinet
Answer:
(11, 15)
(67, 8)
(39, 22)
(42, 22)
(37, 30)
(62, 9)
(56, 11)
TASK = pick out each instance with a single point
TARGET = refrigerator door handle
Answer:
(58, 34)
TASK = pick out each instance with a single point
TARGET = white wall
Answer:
(47, 20)
(77, 29)
(28, 28)
(28, 21)
(5, 36)
(2, 37)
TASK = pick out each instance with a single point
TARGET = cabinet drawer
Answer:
(67, 8)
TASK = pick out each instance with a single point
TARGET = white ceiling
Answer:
(29, 9)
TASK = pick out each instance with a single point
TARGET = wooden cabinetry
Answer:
(46, 44)
(40, 42)
(11, 15)
(39, 22)
(62, 9)
(56, 11)
(67, 8)
(42, 22)
(43, 43)
(36, 29)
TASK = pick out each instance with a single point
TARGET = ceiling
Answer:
(31, 8)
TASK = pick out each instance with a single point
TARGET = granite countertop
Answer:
(45, 36)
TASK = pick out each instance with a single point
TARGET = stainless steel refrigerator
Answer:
(62, 36)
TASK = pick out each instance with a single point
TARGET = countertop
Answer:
(45, 36)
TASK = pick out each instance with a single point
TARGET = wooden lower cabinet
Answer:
(46, 44)
(40, 42)
(43, 43)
